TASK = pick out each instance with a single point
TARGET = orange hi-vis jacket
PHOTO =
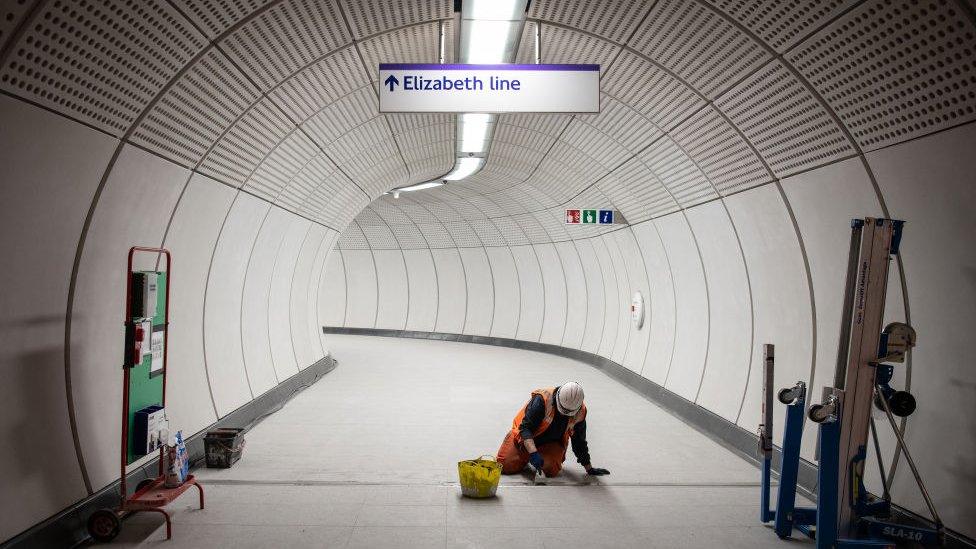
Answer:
(548, 395)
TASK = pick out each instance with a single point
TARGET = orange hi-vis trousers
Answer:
(514, 458)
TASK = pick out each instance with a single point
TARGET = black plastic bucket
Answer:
(223, 447)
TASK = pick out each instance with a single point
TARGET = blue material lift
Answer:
(846, 514)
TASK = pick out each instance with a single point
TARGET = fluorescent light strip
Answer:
(464, 167)
(420, 186)
(489, 31)
(504, 10)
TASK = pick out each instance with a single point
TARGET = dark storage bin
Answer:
(223, 447)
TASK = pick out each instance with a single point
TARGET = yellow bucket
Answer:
(479, 477)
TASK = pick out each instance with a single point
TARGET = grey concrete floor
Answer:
(367, 457)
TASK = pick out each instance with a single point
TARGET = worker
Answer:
(543, 429)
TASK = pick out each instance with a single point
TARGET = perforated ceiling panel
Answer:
(246, 144)
(614, 20)
(408, 236)
(216, 16)
(284, 162)
(598, 146)
(369, 17)
(565, 171)
(414, 44)
(311, 190)
(488, 233)
(11, 15)
(562, 45)
(352, 238)
(380, 237)
(622, 123)
(686, 183)
(462, 234)
(782, 24)
(532, 229)
(698, 44)
(554, 225)
(650, 90)
(342, 203)
(526, 48)
(196, 110)
(636, 192)
(720, 152)
(426, 142)
(893, 70)
(286, 38)
(510, 231)
(337, 119)
(436, 235)
(75, 60)
(315, 87)
(783, 121)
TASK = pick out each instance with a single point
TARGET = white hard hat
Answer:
(569, 398)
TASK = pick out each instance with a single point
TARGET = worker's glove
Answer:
(597, 472)
(535, 458)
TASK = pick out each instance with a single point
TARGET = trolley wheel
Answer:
(786, 395)
(143, 483)
(816, 414)
(902, 403)
(104, 525)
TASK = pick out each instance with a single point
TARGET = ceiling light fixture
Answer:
(465, 167)
(490, 31)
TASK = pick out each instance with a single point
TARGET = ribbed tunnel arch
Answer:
(736, 140)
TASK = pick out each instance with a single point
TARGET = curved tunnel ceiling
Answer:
(699, 100)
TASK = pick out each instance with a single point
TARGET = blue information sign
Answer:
(606, 217)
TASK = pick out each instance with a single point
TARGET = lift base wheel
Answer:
(104, 525)
(902, 403)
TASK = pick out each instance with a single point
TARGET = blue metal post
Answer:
(789, 467)
(827, 479)
(765, 514)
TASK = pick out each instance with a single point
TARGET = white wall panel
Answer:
(452, 300)
(321, 301)
(780, 296)
(332, 291)
(691, 305)
(620, 307)
(279, 302)
(634, 263)
(659, 304)
(134, 207)
(480, 291)
(38, 238)
(507, 297)
(601, 255)
(595, 298)
(391, 275)
(929, 183)
(361, 287)
(422, 311)
(554, 281)
(729, 311)
(222, 309)
(191, 239)
(532, 292)
(576, 298)
(255, 320)
(302, 300)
